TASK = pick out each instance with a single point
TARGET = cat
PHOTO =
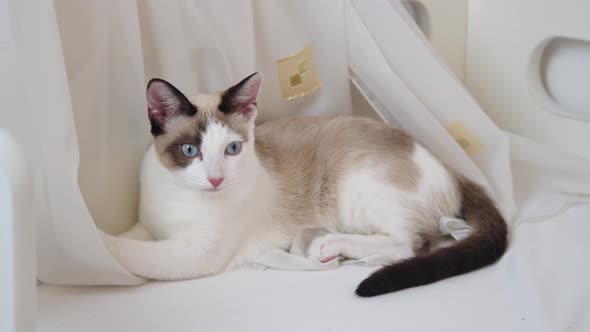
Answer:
(218, 191)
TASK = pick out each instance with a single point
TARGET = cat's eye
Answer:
(189, 150)
(233, 148)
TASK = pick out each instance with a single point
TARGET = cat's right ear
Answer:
(165, 102)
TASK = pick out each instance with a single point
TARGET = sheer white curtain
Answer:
(74, 75)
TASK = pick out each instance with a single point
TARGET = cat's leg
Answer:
(330, 246)
(160, 260)
(137, 232)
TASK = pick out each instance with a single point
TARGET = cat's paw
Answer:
(324, 248)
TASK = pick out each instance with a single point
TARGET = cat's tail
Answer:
(486, 244)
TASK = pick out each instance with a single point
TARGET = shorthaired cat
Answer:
(216, 193)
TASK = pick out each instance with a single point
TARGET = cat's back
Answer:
(277, 138)
(325, 138)
(310, 157)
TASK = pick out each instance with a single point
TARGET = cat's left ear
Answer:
(242, 97)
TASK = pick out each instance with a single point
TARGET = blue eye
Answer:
(233, 148)
(189, 150)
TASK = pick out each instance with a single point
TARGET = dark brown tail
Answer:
(486, 244)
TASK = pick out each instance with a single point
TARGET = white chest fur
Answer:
(237, 222)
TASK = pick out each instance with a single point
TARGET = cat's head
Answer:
(207, 141)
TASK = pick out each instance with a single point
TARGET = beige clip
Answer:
(465, 138)
(298, 74)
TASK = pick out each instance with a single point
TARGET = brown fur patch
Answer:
(310, 155)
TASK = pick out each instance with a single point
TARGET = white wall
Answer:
(529, 73)
(445, 25)
(528, 65)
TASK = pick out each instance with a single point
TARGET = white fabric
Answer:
(73, 96)
(455, 227)
(540, 285)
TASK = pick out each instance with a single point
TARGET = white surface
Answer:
(17, 241)
(7, 255)
(504, 71)
(539, 285)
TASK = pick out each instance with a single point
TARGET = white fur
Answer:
(438, 195)
(386, 215)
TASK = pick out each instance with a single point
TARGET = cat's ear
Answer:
(242, 97)
(165, 102)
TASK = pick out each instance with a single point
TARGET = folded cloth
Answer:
(297, 257)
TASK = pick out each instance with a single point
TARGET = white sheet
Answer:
(540, 285)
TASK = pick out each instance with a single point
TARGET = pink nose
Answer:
(215, 181)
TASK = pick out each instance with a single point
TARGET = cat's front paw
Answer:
(324, 248)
